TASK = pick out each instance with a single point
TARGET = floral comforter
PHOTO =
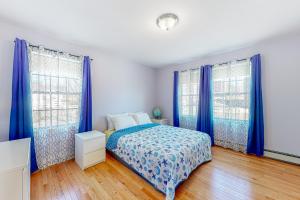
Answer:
(163, 155)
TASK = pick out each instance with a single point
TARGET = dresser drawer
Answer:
(93, 158)
(93, 144)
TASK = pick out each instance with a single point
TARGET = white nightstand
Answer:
(89, 148)
(161, 121)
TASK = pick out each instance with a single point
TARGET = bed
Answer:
(163, 155)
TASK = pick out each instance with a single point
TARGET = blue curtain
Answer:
(205, 118)
(175, 100)
(21, 109)
(256, 119)
(85, 123)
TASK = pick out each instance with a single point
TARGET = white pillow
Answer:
(141, 118)
(110, 125)
(121, 122)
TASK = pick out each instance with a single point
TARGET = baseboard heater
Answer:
(290, 158)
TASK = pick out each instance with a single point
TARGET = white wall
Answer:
(281, 88)
(118, 85)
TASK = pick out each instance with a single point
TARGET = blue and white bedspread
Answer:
(164, 155)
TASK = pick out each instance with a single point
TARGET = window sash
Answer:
(56, 93)
(189, 92)
(231, 91)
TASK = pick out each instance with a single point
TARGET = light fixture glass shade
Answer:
(167, 21)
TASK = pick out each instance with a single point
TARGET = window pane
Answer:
(195, 110)
(43, 101)
(54, 84)
(226, 85)
(62, 85)
(47, 84)
(185, 110)
(54, 117)
(35, 101)
(35, 119)
(47, 118)
(42, 83)
(184, 89)
(73, 101)
(194, 89)
(73, 115)
(42, 119)
(185, 100)
(34, 83)
(54, 101)
(47, 101)
(62, 117)
(195, 100)
(74, 86)
(62, 101)
(69, 68)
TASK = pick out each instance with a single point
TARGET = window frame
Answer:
(228, 94)
(190, 95)
(50, 123)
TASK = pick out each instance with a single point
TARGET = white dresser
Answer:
(15, 170)
(89, 148)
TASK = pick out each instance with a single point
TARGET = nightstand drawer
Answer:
(93, 158)
(93, 144)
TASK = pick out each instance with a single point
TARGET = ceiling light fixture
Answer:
(167, 21)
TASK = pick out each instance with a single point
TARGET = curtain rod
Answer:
(224, 63)
(238, 60)
(57, 51)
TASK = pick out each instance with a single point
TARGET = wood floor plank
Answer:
(84, 183)
(230, 175)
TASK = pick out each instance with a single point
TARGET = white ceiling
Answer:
(127, 27)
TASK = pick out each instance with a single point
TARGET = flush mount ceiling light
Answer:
(167, 21)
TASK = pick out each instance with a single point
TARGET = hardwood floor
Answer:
(230, 175)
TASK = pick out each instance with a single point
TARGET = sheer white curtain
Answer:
(188, 98)
(56, 81)
(231, 93)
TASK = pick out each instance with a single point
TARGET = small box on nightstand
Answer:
(89, 148)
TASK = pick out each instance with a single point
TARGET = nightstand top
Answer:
(161, 119)
(90, 135)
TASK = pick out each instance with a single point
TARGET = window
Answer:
(56, 81)
(231, 99)
(188, 97)
(231, 87)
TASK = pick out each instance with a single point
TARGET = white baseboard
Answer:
(282, 156)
